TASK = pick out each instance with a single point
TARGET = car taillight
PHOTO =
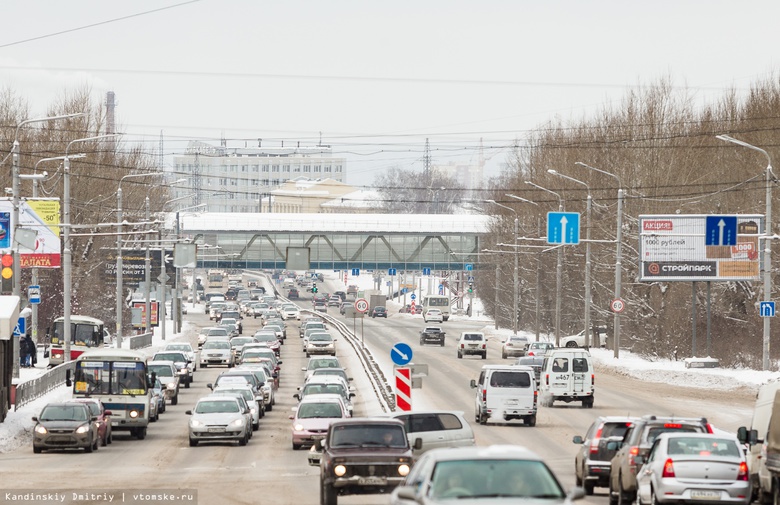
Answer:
(668, 469)
(675, 426)
(484, 346)
(536, 394)
(592, 379)
(594, 443)
(484, 395)
(709, 428)
(743, 471)
(547, 379)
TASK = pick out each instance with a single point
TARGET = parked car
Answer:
(313, 416)
(219, 418)
(694, 468)
(514, 345)
(436, 429)
(379, 311)
(592, 463)
(65, 425)
(102, 418)
(493, 474)
(578, 340)
(637, 442)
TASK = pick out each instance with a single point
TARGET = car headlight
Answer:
(403, 470)
(134, 414)
(195, 423)
(84, 428)
(171, 385)
(41, 430)
(340, 470)
(237, 422)
(298, 427)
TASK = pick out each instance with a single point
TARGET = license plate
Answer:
(372, 481)
(705, 495)
(511, 403)
(216, 430)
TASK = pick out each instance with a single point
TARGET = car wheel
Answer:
(624, 498)
(269, 407)
(482, 418)
(110, 437)
(613, 499)
(37, 450)
(588, 487)
(484, 355)
(460, 355)
(571, 344)
(187, 384)
(442, 343)
(328, 495)
(175, 399)
(193, 443)
(530, 421)
(653, 499)
(296, 447)
(243, 440)
(204, 365)
(503, 355)
(104, 440)
(89, 448)
(140, 433)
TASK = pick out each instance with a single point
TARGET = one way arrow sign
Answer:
(563, 227)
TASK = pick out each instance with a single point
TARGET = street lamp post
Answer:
(558, 271)
(618, 252)
(119, 265)
(515, 277)
(767, 239)
(587, 255)
(67, 278)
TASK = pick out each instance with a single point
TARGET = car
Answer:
(436, 429)
(265, 378)
(278, 328)
(326, 385)
(578, 340)
(344, 307)
(338, 372)
(256, 402)
(313, 416)
(320, 306)
(341, 294)
(694, 468)
(235, 316)
(334, 301)
(219, 418)
(238, 376)
(592, 463)
(270, 339)
(514, 345)
(157, 403)
(353, 289)
(379, 311)
(311, 324)
(211, 331)
(102, 418)
(184, 366)
(539, 348)
(188, 351)
(433, 316)
(505, 392)
(216, 352)
(637, 442)
(231, 325)
(361, 456)
(169, 376)
(432, 335)
(535, 362)
(316, 362)
(65, 425)
(320, 343)
(492, 474)
(237, 345)
(472, 342)
(290, 311)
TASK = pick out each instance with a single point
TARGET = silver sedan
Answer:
(694, 467)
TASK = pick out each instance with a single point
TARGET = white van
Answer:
(505, 392)
(568, 376)
(762, 413)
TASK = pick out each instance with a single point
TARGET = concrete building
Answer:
(241, 179)
(304, 195)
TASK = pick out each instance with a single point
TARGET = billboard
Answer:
(41, 215)
(134, 265)
(697, 247)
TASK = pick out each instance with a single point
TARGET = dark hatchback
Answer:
(379, 312)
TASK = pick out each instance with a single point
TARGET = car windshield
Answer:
(320, 337)
(698, 446)
(487, 478)
(472, 336)
(216, 407)
(179, 347)
(368, 435)
(173, 356)
(323, 363)
(232, 379)
(63, 413)
(217, 332)
(217, 345)
(241, 341)
(314, 410)
(246, 393)
(330, 371)
(320, 389)
(161, 370)
(265, 337)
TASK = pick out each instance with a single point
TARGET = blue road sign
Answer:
(355, 272)
(469, 267)
(426, 271)
(391, 271)
(767, 309)
(563, 227)
(721, 230)
(413, 296)
(34, 294)
(21, 327)
(404, 290)
(471, 278)
(401, 354)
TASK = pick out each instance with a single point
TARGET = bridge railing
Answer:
(32, 389)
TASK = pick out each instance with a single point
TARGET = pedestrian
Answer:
(24, 351)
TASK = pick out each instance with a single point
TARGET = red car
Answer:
(97, 409)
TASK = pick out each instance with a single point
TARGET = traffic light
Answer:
(7, 272)
(471, 287)
(313, 288)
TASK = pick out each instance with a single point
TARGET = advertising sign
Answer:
(134, 265)
(700, 247)
(42, 216)
(152, 307)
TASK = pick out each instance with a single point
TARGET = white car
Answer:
(290, 311)
(578, 340)
(433, 316)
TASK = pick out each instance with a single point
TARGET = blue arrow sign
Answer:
(469, 267)
(413, 296)
(401, 354)
(426, 271)
(391, 271)
(563, 228)
(767, 309)
(721, 230)
(355, 272)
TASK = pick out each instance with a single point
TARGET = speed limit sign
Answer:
(618, 305)
(361, 305)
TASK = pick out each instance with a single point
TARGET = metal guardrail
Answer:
(140, 341)
(35, 388)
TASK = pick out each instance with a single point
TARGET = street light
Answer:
(119, 266)
(538, 274)
(767, 238)
(515, 277)
(67, 279)
(558, 271)
(618, 252)
(587, 254)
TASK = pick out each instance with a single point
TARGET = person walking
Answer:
(25, 351)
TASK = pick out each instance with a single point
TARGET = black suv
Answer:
(637, 442)
(593, 460)
(362, 456)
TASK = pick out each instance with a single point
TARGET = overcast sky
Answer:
(375, 79)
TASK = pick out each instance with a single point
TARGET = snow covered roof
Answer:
(440, 224)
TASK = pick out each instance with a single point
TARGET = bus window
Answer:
(130, 379)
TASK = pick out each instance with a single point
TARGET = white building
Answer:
(241, 179)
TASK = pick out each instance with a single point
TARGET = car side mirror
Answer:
(210, 386)
(473, 384)
(576, 493)
(418, 443)
(303, 369)
(280, 362)
(297, 396)
(408, 493)
(352, 395)
(753, 437)
(188, 412)
(577, 439)
(742, 434)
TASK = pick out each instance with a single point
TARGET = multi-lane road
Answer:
(268, 471)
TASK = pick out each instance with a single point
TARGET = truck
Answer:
(432, 335)
(764, 441)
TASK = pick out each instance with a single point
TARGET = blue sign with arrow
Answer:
(391, 271)
(721, 230)
(355, 272)
(563, 227)
(767, 309)
(426, 271)
(401, 354)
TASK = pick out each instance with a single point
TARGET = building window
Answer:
(327, 169)
(306, 169)
(297, 168)
(256, 168)
(275, 168)
(317, 169)
(338, 168)
(286, 168)
(266, 168)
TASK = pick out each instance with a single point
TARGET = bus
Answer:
(441, 302)
(86, 333)
(119, 378)
(215, 278)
